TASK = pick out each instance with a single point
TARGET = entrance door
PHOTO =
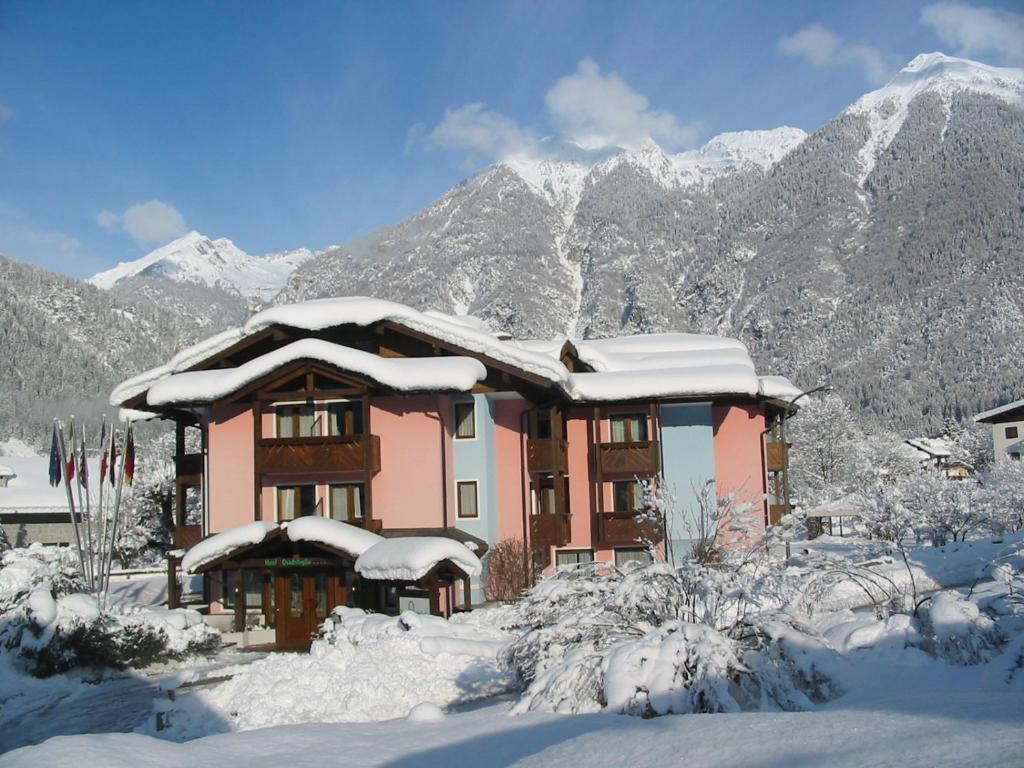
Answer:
(304, 599)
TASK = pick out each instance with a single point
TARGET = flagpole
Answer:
(117, 494)
(101, 522)
(83, 479)
(67, 487)
(111, 453)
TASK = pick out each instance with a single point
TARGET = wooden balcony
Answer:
(548, 455)
(549, 530)
(626, 528)
(187, 535)
(637, 458)
(188, 464)
(775, 456)
(776, 513)
(335, 453)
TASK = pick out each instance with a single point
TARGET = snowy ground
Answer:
(349, 700)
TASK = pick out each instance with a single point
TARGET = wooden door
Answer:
(304, 600)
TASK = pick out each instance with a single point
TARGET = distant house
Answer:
(345, 441)
(30, 509)
(936, 452)
(1007, 429)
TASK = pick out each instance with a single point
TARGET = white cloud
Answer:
(590, 109)
(147, 223)
(476, 128)
(977, 29)
(597, 111)
(823, 48)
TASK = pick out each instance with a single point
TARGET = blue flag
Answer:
(54, 460)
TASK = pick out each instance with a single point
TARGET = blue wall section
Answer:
(476, 460)
(688, 461)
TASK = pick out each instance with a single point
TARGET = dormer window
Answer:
(296, 420)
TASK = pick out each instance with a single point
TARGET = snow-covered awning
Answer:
(410, 558)
(404, 374)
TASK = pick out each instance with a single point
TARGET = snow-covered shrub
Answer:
(51, 626)
(958, 631)
(657, 640)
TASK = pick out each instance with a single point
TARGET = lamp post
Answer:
(782, 438)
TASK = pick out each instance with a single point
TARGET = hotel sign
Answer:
(297, 562)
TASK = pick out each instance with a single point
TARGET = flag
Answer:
(83, 466)
(54, 459)
(129, 458)
(103, 456)
(113, 454)
(71, 456)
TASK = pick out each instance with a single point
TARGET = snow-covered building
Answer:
(1007, 423)
(30, 509)
(428, 429)
(938, 453)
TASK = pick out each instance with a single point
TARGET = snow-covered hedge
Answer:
(50, 625)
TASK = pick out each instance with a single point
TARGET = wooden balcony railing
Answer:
(188, 464)
(547, 530)
(775, 456)
(338, 453)
(187, 535)
(548, 455)
(626, 528)
(636, 458)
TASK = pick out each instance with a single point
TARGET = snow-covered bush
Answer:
(958, 631)
(51, 626)
(656, 640)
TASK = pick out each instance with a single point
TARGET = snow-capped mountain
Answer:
(195, 258)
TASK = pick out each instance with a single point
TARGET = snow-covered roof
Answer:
(410, 558)
(1001, 410)
(405, 374)
(626, 367)
(406, 558)
(28, 489)
(933, 447)
(6, 471)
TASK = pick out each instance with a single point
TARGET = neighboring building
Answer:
(426, 428)
(6, 475)
(1007, 429)
(936, 452)
(30, 509)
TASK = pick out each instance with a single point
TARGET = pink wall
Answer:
(230, 479)
(739, 459)
(511, 476)
(581, 504)
(407, 492)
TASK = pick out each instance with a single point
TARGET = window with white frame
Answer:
(468, 500)
(1011, 433)
(573, 556)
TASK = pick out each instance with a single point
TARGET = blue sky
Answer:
(286, 125)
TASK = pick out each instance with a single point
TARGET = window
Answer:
(295, 501)
(345, 418)
(624, 556)
(627, 495)
(466, 491)
(628, 427)
(1011, 432)
(543, 425)
(573, 556)
(465, 421)
(296, 421)
(253, 588)
(348, 501)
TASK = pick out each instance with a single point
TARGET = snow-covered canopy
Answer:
(405, 374)
(1002, 410)
(627, 367)
(410, 558)
(6, 471)
(406, 558)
